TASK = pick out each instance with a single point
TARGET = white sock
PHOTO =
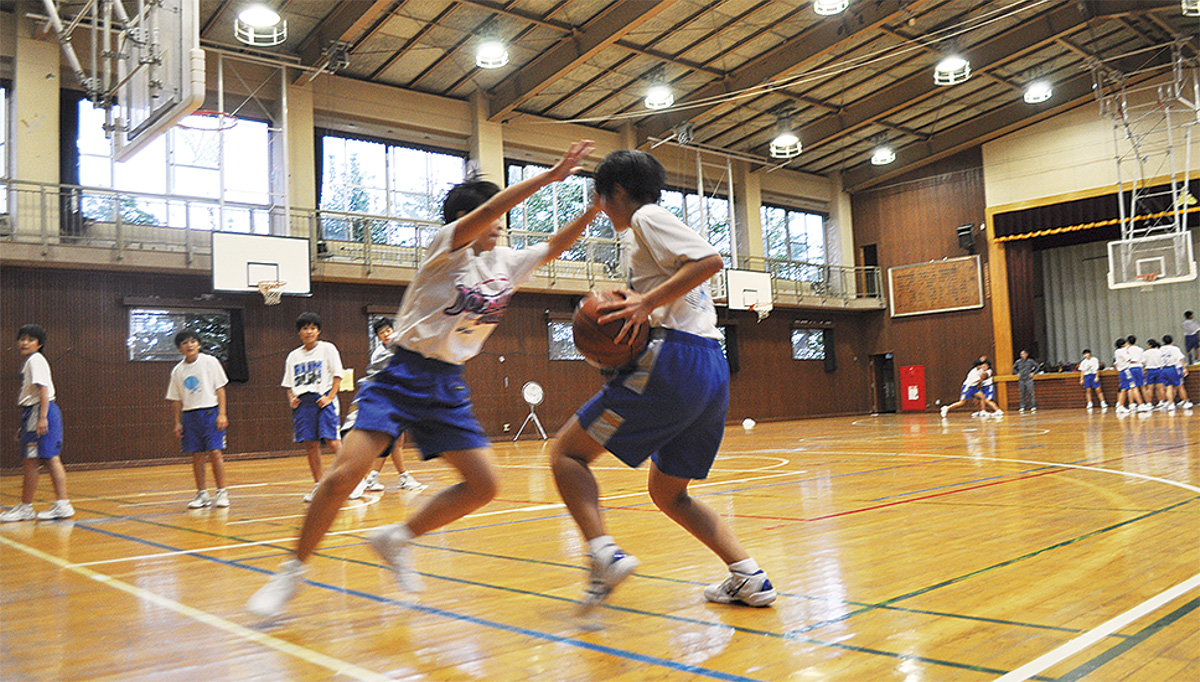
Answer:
(220, 490)
(745, 567)
(597, 544)
(403, 534)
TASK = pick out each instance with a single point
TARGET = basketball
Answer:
(595, 340)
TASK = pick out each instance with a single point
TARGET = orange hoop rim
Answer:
(224, 121)
(271, 290)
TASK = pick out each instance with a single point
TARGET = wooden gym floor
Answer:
(1057, 546)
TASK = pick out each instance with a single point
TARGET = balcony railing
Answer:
(126, 222)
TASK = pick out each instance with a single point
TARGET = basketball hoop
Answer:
(206, 120)
(271, 290)
(763, 310)
(1147, 279)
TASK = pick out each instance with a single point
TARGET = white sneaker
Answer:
(62, 509)
(1162, 404)
(1089, 406)
(1187, 405)
(374, 485)
(21, 512)
(606, 572)
(1103, 405)
(945, 411)
(751, 590)
(1022, 410)
(1170, 407)
(271, 599)
(407, 482)
(1145, 407)
(200, 500)
(221, 499)
(998, 414)
(1033, 409)
(358, 489)
(979, 414)
(1122, 410)
(388, 544)
(309, 496)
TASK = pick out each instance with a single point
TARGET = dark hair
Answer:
(1187, 313)
(1087, 350)
(1122, 342)
(982, 361)
(639, 173)
(380, 324)
(184, 336)
(466, 197)
(33, 331)
(1131, 339)
(306, 319)
(1167, 339)
(1152, 343)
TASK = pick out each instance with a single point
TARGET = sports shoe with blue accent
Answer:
(752, 590)
(607, 571)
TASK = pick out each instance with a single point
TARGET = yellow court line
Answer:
(337, 666)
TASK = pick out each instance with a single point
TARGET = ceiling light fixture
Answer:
(786, 144)
(491, 53)
(658, 95)
(259, 26)
(1191, 8)
(830, 7)
(883, 156)
(952, 71)
(1039, 91)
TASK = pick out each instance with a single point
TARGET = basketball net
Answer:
(271, 290)
(1147, 280)
(763, 310)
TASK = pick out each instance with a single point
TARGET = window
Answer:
(552, 208)
(385, 180)
(194, 177)
(562, 341)
(710, 218)
(152, 333)
(794, 242)
(808, 344)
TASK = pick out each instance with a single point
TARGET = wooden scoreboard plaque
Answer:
(935, 287)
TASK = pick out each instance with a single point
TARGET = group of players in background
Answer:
(1148, 378)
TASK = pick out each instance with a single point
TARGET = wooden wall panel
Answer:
(115, 411)
(912, 221)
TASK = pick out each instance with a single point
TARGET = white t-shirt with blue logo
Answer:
(195, 384)
(312, 371)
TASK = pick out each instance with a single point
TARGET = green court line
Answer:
(1140, 636)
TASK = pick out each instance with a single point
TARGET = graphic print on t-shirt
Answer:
(306, 373)
(192, 384)
(487, 307)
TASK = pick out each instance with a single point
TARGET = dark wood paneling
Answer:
(913, 221)
(1055, 391)
(115, 411)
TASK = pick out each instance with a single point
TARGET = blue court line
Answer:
(1142, 635)
(569, 641)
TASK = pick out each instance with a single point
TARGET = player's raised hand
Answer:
(569, 163)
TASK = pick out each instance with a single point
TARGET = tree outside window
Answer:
(152, 333)
(794, 243)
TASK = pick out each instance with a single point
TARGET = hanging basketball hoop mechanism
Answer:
(271, 290)
(208, 121)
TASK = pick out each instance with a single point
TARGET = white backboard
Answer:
(161, 72)
(241, 261)
(744, 288)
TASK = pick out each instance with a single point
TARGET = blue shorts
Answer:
(426, 397)
(989, 391)
(1091, 381)
(43, 447)
(310, 422)
(1131, 378)
(1191, 342)
(349, 424)
(670, 406)
(200, 432)
(1170, 376)
(969, 391)
(1153, 375)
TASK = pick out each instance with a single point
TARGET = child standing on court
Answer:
(1089, 376)
(457, 298)
(1174, 371)
(41, 432)
(312, 376)
(197, 395)
(670, 404)
(1129, 373)
(1152, 366)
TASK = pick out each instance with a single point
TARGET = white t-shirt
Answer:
(660, 244)
(1191, 327)
(194, 384)
(1137, 356)
(1090, 365)
(312, 371)
(1152, 358)
(1121, 359)
(35, 373)
(458, 297)
(973, 377)
(1172, 356)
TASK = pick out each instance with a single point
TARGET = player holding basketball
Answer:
(670, 404)
(974, 386)
(457, 298)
